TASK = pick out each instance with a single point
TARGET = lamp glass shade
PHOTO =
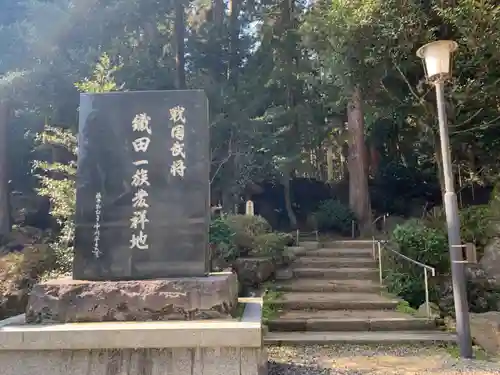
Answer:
(437, 57)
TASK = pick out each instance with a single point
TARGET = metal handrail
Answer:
(384, 217)
(297, 235)
(382, 245)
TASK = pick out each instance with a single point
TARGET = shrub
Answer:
(57, 183)
(271, 244)
(246, 228)
(334, 215)
(19, 271)
(475, 226)
(421, 243)
(221, 240)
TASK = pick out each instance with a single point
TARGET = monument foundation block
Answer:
(194, 298)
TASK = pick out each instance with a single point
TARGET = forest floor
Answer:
(370, 360)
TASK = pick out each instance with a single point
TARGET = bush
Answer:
(19, 271)
(246, 228)
(221, 240)
(475, 224)
(418, 242)
(334, 215)
(271, 244)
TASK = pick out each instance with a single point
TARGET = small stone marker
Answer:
(142, 186)
(249, 208)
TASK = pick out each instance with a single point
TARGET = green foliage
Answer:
(246, 229)
(395, 184)
(405, 308)
(235, 235)
(102, 79)
(270, 309)
(271, 244)
(418, 242)
(221, 238)
(333, 215)
(475, 226)
(57, 181)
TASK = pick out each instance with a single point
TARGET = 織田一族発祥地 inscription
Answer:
(139, 219)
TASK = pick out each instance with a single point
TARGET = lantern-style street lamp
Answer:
(437, 63)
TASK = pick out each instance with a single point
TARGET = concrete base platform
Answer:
(192, 298)
(229, 347)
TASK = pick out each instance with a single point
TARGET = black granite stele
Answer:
(178, 213)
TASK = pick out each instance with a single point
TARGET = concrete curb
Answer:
(246, 333)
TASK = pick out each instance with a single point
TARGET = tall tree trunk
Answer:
(180, 59)
(5, 219)
(359, 199)
(329, 162)
(288, 199)
(234, 62)
(344, 159)
(218, 11)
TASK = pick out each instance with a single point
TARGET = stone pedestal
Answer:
(72, 301)
(215, 347)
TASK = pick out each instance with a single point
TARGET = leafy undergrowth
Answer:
(271, 310)
(19, 271)
(405, 308)
(238, 311)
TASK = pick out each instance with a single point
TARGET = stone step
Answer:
(334, 301)
(348, 244)
(348, 320)
(323, 338)
(337, 253)
(337, 273)
(310, 245)
(313, 262)
(320, 285)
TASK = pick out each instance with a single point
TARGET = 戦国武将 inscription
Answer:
(178, 119)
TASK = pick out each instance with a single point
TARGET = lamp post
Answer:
(437, 64)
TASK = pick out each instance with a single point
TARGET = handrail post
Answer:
(373, 248)
(352, 229)
(297, 233)
(381, 277)
(427, 304)
(317, 235)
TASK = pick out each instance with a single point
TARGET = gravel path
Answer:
(367, 360)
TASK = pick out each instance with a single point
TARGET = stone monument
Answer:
(142, 215)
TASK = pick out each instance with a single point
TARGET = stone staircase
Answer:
(331, 293)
